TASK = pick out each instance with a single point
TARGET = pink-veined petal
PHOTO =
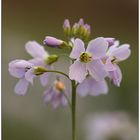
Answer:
(97, 69)
(77, 49)
(97, 47)
(35, 50)
(21, 87)
(77, 71)
(122, 52)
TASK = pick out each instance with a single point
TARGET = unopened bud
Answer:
(67, 27)
(51, 59)
(52, 42)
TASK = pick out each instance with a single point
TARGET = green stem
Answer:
(59, 72)
(73, 110)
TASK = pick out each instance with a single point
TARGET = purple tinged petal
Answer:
(44, 79)
(97, 70)
(22, 64)
(116, 76)
(97, 47)
(17, 67)
(122, 52)
(110, 41)
(64, 100)
(29, 76)
(35, 50)
(52, 41)
(83, 88)
(48, 94)
(97, 87)
(113, 48)
(109, 66)
(37, 62)
(21, 87)
(77, 49)
(77, 71)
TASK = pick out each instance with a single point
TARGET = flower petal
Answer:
(97, 87)
(83, 88)
(77, 71)
(97, 47)
(109, 66)
(97, 70)
(77, 49)
(48, 94)
(44, 79)
(116, 76)
(21, 87)
(29, 76)
(122, 52)
(35, 50)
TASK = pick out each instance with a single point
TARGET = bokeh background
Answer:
(28, 117)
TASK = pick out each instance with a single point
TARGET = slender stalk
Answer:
(73, 110)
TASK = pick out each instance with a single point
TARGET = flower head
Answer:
(55, 94)
(40, 58)
(24, 71)
(88, 61)
(115, 55)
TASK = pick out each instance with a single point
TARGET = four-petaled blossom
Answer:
(116, 54)
(40, 57)
(56, 94)
(88, 60)
(24, 71)
(92, 87)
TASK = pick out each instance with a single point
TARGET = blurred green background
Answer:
(28, 117)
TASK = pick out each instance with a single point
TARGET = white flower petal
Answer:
(35, 50)
(97, 47)
(77, 71)
(77, 49)
(97, 69)
(122, 52)
(21, 87)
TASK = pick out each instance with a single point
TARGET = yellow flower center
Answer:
(85, 57)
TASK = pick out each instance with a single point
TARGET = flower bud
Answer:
(51, 59)
(67, 27)
(110, 41)
(52, 42)
(81, 22)
(39, 70)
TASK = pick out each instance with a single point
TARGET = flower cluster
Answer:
(90, 64)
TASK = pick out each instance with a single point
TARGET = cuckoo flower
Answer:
(88, 60)
(40, 57)
(56, 94)
(116, 54)
(92, 87)
(24, 71)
